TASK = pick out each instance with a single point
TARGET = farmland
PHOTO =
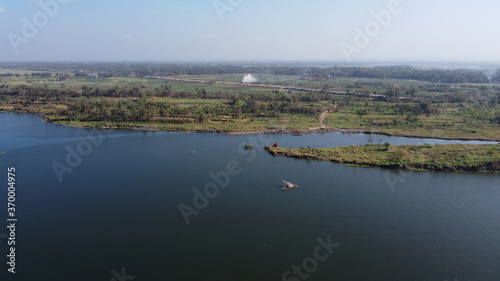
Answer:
(221, 103)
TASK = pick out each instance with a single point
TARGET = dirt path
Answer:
(321, 118)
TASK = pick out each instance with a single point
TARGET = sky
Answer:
(249, 30)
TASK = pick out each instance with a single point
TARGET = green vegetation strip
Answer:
(450, 157)
(401, 102)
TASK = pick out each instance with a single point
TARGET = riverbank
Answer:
(278, 104)
(241, 127)
(189, 128)
(236, 132)
(298, 132)
(450, 157)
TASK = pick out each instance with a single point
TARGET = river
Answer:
(106, 205)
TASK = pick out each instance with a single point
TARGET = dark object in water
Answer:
(288, 185)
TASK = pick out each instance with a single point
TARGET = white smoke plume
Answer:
(249, 79)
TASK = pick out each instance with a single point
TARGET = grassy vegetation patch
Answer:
(450, 157)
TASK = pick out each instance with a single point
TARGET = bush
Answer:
(387, 146)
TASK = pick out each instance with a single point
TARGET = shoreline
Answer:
(436, 158)
(147, 127)
(265, 132)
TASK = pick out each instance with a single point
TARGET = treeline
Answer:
(36, 94)
(145, 109)
(319, 73)
(26, 75)
(402, 72)
(46, 94)
(421, 108)
(496, 77)
(139, 104)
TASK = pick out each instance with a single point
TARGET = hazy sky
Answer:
(166, 30)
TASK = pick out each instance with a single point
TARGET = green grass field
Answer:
(449, 124)
(224, 124)
(471, 120)
(451, 157)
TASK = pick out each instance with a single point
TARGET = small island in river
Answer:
(450, 157)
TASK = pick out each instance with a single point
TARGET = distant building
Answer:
(93, 76)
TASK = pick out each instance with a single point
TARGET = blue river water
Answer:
(104, 205)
